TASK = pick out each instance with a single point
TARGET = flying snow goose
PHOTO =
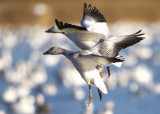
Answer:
(85, 62)
(86, 39)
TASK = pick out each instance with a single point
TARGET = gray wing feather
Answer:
(111, 47)
(129, 40)
(92, 13)
(101, 59)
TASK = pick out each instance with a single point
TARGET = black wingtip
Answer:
(93, 12)
(48, 31)
(45, 53)
(59, 24)
(119, 59)
(84, 9)
(89, 6)
(62, 25)
(138, 32)
(56, 20)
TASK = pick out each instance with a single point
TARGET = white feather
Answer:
(118, 64)
(94, 77)
(98, 27)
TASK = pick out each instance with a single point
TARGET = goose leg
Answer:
(90, 96)
(100, 68)
(102, 73)
(100, 94)
(108, 70)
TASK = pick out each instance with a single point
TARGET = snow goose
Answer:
(92, 21)
(85, 62)
(94, 27)
(86, 39)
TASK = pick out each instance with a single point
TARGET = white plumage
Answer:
(85, 63)
(95, 78)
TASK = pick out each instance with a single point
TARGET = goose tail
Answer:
(100, 84)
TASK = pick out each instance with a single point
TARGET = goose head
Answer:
(54, 51)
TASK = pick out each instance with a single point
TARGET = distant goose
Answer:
(85, 62)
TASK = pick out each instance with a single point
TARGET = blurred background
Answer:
(31, 83)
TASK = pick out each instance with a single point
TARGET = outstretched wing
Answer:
(112, 46)
(93, 20)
